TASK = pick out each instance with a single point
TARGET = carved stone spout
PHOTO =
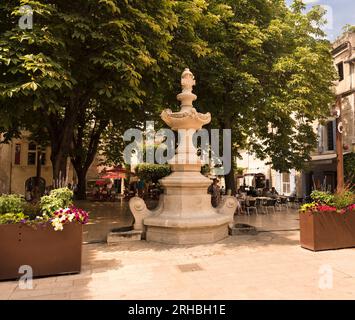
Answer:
(140, 211)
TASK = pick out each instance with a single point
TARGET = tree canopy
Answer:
(263, 70)
(266, 74)
(82, 63)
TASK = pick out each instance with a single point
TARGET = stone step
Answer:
(124, 236)
(241, 229)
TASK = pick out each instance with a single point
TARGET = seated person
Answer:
(266, 192)
(252, 192)
(274, 192)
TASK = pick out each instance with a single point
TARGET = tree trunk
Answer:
(230, 182)
(37, 193)
(81, 188)
(59, 167)
(82, 155)
(61, 132)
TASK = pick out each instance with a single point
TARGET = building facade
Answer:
(258, 174)
(322, 170)
(18, 165)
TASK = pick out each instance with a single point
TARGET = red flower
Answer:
(325, 208)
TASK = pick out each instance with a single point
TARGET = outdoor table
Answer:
(261, 202)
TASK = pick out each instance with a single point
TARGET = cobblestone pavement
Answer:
(270, 265)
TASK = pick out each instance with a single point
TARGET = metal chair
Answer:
(282, 202)
(263, 203)
(251, 205)
(292, 201)
(271, 203)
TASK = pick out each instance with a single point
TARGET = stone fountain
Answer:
(184, 214)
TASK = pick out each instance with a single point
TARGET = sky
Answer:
(340, 13)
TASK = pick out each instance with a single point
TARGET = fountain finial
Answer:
(186, 97)
(187, 81)
(187, 117)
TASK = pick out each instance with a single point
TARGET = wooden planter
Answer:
(48, 252)
(327, 230)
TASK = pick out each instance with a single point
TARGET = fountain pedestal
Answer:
(185, 214)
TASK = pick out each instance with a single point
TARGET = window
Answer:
(340, 67)
(18, 153)
(286, 187)
(330, 136)
(31, 157)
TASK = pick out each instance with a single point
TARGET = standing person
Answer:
(140, 187)
(215, 192)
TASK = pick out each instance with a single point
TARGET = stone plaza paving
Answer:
(270, 265)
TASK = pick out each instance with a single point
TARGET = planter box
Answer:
(48, 252)
(327, 230)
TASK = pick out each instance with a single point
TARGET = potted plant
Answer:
(46, 236)
(328, 222)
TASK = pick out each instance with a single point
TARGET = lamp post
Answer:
(339, 147)
(37, 192)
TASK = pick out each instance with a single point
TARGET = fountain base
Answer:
(179, 236)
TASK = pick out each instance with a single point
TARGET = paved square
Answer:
(270, 265)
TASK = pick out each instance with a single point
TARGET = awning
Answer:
(324, 157)
(255, 175)
(114, 175)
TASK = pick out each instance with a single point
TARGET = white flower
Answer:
(57, 224)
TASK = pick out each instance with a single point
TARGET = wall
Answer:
(14, 176)
(5, 163)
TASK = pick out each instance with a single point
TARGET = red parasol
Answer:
(100, 182)
(114, 175)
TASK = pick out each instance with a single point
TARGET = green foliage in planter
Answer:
(349, 170)
(308, 207)
(9, 218)
(11, 204)
(152, 172)
(323, 197)
(339, 201)
(32, 210)
(57, 199)
(344, 199)
(63, 194)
